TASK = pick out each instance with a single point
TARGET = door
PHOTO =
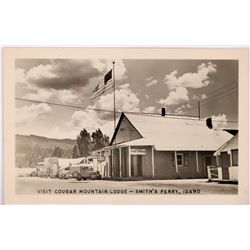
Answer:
(207, 161)
(225, 159)
(139, 172)
(136, 165)
(225, 164)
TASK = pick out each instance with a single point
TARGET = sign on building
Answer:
(137, 151)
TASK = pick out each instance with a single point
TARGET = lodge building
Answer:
(161, 147)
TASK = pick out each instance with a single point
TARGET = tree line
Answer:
(87, 142)
(28, 155)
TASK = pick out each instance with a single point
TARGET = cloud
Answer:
(31, 112)
(149, 109)
(203, 96)
(199, 97)
(147, 96)
(176, 96)
(64, 96)
(219, 121)
(62, 74)
(90, 120)
(149, 78)
(126, 100)
(195, 80)
(152, 83)
(105, 65)
(178, 85)
(124, 86)
(179, 110)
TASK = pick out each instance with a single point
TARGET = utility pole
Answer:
(199, 110)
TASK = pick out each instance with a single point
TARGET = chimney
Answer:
(209, 123)
(163, 112)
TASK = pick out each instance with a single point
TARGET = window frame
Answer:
(232, 151)
(182, 159)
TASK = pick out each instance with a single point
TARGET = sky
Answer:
(143, 86)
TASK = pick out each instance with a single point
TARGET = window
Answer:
(179, 159)
(182, 159)
(234, 157)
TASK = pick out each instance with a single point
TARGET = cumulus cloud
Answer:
(149, 109)
(90, 120)
(176, 96)
(126, 100)
(178, 86)
(63, 74)
(28, 113)
(179, 110)
(203, 96)
(149, 78)
(219, 121)
(151, 83)
(104, 66)
(59, 96)
(199, 97)
(195, 80)
(124, 86)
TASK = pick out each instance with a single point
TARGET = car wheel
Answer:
(79, 177)
(93, 177)
(75, 174)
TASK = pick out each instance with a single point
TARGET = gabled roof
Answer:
(175, 133)
(231, 144)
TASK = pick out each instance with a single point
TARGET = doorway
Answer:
(207, 162)
(225, 164)
(225, 159)
(136, 165)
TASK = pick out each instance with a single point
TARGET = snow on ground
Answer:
(22, 172)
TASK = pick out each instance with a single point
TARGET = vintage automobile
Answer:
(81, 171)
(65, 173)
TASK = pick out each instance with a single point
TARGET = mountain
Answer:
(43, 141)
(30, 149)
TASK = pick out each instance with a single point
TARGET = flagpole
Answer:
(114, 95)
(112, 171)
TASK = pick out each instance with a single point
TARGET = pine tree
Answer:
(57, 152)
(83, 144)
(75, 152)
(99, 140)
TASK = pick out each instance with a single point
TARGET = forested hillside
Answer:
(32, 149)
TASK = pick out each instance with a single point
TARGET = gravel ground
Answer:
(40, 186)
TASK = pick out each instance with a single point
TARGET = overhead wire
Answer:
(220, 90)
(169, 115)
(216, 97)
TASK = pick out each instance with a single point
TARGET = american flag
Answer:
(103, 86)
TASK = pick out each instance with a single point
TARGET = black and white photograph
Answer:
(121, 126)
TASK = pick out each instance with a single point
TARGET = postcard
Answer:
(125, 125)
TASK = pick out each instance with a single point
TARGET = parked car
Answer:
(65, 173)
(84, 172)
